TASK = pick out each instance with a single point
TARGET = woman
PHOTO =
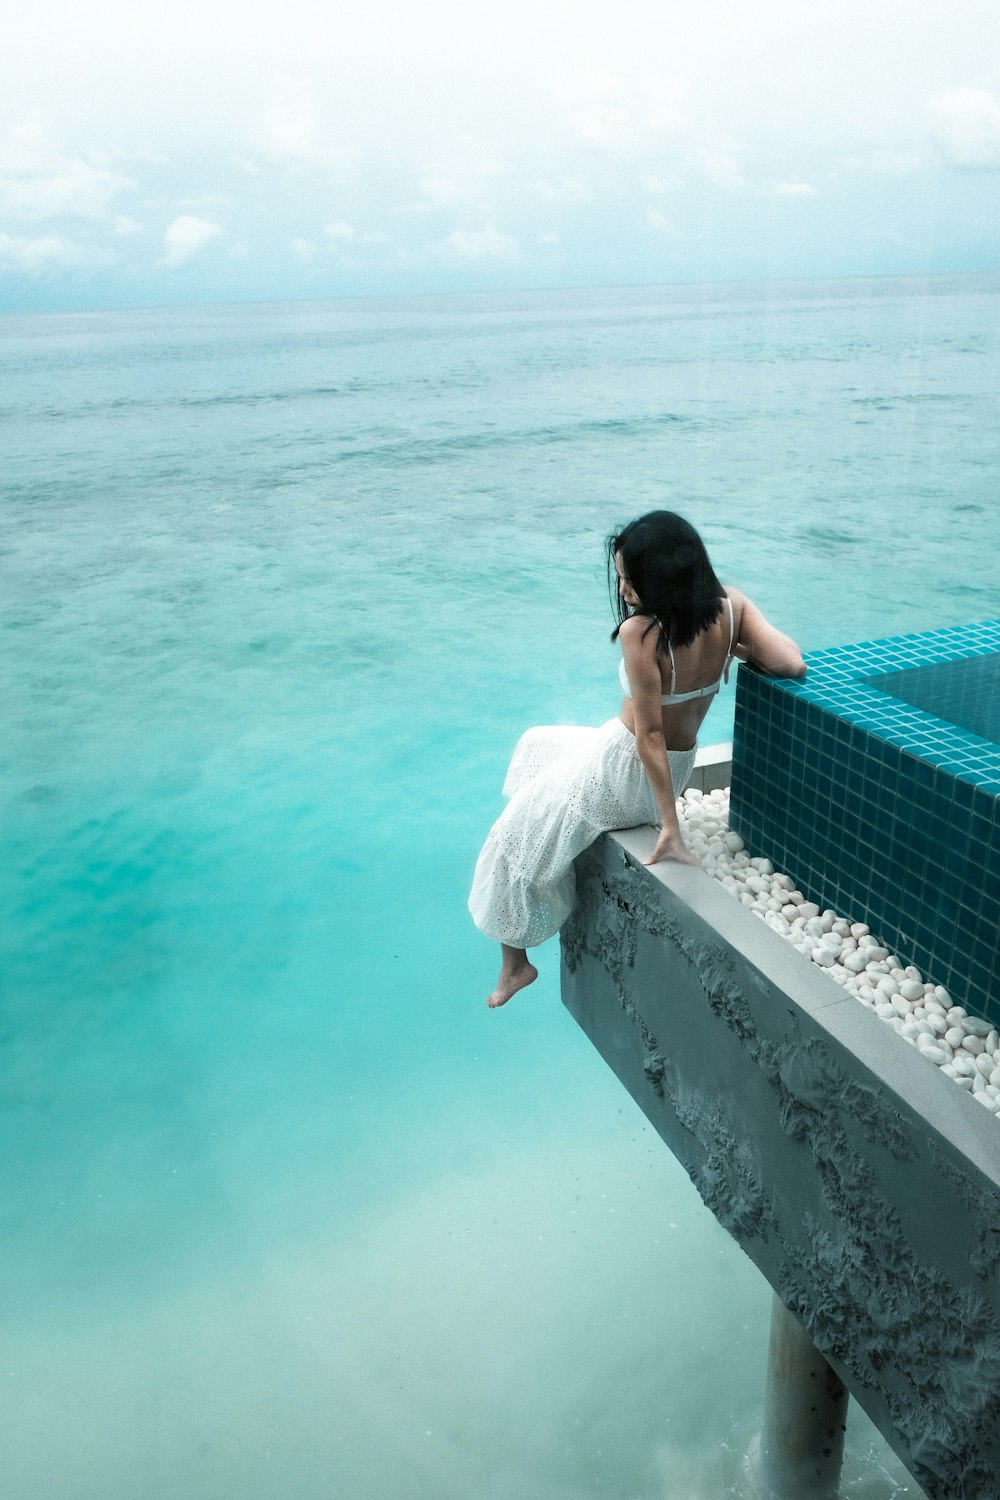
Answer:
(679, 631)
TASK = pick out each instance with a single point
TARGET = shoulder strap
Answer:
(673, 670)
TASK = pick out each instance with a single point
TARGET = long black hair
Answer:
(665, 561)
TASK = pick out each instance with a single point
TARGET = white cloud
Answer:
(481, 244)
(965, 125)
(655, 121)
(896, 161)
(186, 236)
(795, 190)
(50, 252)
(124, 227)
(339, 234)
(304, 251)
(295, 133)
(464, 176)
(636, 117)
(567, 188)
(717, 161)
(656, 182)
(39, 181)
(661, 224)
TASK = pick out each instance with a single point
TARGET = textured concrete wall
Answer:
(864, 1186)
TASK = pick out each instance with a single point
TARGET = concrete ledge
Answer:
(713, 767)
(864, 1185)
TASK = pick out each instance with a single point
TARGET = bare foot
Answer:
(511, 980)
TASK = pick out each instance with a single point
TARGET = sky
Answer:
(212, 151)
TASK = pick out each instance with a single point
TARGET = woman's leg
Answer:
(516, 973)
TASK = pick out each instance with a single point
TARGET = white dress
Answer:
(567, 785)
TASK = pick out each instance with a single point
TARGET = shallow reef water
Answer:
(286, 1211)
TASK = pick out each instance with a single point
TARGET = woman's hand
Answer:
(670, 845)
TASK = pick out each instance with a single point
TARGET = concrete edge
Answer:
(921, 1092)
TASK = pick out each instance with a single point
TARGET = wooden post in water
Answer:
(801, 1445)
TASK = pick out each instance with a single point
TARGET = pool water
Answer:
(966, 693)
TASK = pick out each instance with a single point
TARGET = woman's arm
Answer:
(643, 670)
(763, 646)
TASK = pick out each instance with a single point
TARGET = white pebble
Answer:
(965, 1048)
(975, 1027)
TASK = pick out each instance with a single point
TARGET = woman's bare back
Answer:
(698, 665)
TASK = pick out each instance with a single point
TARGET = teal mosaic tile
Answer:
(887, 805)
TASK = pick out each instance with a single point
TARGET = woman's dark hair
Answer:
(665, 561)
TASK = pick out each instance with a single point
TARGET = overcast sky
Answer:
(204, 151)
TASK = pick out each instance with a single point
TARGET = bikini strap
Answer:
(729, 654)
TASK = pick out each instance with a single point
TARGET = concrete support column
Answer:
(801, 1445)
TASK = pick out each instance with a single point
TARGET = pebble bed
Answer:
(964, 1047)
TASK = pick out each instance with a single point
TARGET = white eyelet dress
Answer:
(567, 785)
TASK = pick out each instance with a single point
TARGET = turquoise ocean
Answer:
(287, 1213)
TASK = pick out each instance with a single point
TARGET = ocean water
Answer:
(287, 1213)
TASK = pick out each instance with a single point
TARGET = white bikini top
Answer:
(705, 692)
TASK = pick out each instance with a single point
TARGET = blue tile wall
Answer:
(868, 782)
